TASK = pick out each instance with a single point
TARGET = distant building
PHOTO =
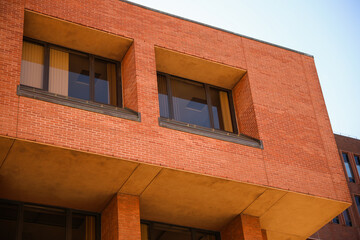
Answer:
(118, 122)
(347, 224)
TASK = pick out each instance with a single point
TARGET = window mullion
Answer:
(20, 222)
(68, 224)
(171, 105)
(46, 67)
(92, 77)
(208, 100)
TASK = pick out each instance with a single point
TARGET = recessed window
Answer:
(357, 162)
(347, 218)
(336, 220)
(195, 103)
(70, 73)
(154, 230)
(348, 167)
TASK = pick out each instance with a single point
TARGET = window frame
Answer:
(68, 215)
(206, 87)
(91, 58)
(43, 93)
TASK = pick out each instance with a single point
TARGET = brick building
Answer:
(121, 122)
(347, 224)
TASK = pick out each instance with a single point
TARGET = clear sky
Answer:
(327, 29)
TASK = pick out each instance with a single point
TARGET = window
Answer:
(195, 103)
(155, 230)
(348, 167)
(70, 73)
(357, 162)
(347, 218)
(336, 220)
(357, 201)
(38, 222)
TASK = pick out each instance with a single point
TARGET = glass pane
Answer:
(83, 227)
(8, 217)
(189, 100)
(42, 223)
(357, 161)
(168, 232)
(221, 110)
(204, 236)
(32, 65)
(163, 96)
(336, 220)
(59, 72)
(79, 81)
(357, 200)
(347, 218)
(102, 94)
(348, 167)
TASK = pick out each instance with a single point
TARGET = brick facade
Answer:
(278, 101)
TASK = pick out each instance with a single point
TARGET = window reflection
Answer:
(190, 105)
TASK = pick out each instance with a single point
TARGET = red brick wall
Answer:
(282, 98)
(128, 80)
(243, 227)
(120, 220)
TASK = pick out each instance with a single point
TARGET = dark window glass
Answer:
(204, 236)
(348, 167)
(8, 218)
(79, 81)
(347, 218)
(357, 161)
(189, 100)
(83, 227)
(163, 96)
(168, 232)
(336, 220)
(221, 110)
(42, 223)
(357, 201)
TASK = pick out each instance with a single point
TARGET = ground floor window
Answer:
(23, 221)
(161, 231)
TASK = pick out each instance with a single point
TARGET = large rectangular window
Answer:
(70, 73)
(38, 222)
(195, 103)
(348, 167)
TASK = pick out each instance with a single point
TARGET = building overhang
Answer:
(39, 173)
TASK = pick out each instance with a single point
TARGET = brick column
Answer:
(243, 227)
(120, 220)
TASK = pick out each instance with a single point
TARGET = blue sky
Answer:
(327, 29)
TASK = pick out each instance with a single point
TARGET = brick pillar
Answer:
(120, 220)
(243, 227)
